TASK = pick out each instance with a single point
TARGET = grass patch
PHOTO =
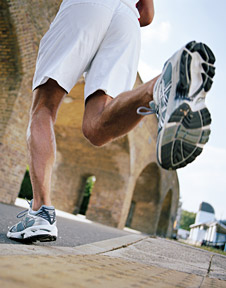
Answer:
(207, 248)
(211, 249)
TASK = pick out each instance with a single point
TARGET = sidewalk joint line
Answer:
(210, 263)
(208, 271)
(123, 246)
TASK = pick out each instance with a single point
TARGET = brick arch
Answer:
(76, 158)
(10, 65)
(145, 201)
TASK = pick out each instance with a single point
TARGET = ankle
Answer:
(37, 203)
(150, 89)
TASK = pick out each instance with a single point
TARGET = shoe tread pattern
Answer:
(183, 149)
(207, 55)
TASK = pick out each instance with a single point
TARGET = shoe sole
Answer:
(186, 131)
(42, 233)
(33, 239)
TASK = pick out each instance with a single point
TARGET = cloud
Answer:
(153, 39)
(147, 72)
(157, 32)
(205, 180)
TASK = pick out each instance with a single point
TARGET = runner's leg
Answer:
(106, 119)
(41, 139)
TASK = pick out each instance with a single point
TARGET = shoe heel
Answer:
(183, 141)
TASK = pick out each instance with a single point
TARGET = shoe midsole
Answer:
(50, 230)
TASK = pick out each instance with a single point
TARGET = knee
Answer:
(93, 136)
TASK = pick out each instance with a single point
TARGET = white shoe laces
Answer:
(24, 212)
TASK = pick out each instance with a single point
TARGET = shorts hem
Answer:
(45, 78)
(108, 91)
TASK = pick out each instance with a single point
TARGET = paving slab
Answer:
(217, 267)
(173, 255)
(92, 271)
(212, 283)
(125, 262)
(21, 249)
(87, 271)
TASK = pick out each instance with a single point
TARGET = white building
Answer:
(206, 214)
(207, 230)
(183, 234)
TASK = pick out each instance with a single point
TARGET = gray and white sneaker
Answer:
(35, 226)
(179, 102)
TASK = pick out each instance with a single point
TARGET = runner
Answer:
(102, 38)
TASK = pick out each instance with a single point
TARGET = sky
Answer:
(176, 23)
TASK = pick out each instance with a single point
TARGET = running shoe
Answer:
(179, 102)
(35, 226)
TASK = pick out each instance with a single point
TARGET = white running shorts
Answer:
(99, 37)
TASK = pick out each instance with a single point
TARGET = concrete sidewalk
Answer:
(129, 261)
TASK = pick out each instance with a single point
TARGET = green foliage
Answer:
(187, 218)
(26, 188)
(89, 186)
(87, 193)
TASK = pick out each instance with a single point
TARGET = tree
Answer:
(187, 218)
(90, 181)
(26, 188)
